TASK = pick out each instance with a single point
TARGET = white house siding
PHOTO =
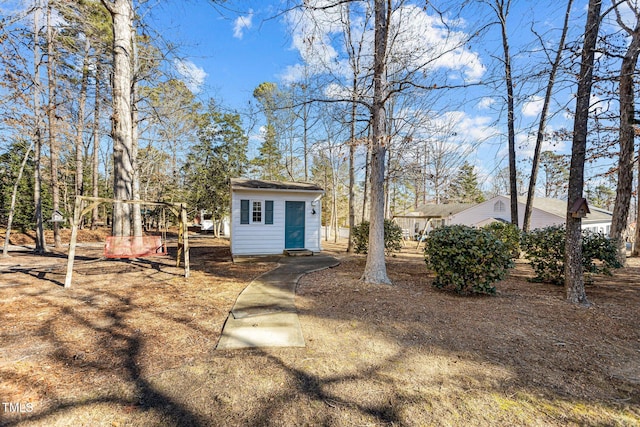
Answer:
(539, 217)
(265, 239)
(597, 227)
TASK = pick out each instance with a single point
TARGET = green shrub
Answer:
(544, 248)
(508, 233)
(392, 237)
(597, 246)
(468, 259)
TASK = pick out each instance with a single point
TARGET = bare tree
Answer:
(354, 46)
(12, 207)
(627, 131)
(501, 9)
(375, 270)
(41, 245)
(535, 166)
(95, 163)
(82, 101)
(122, 15)
(573, 270)
(52, 125)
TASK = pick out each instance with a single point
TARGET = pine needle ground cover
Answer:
(132, 343)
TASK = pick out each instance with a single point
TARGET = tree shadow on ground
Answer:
(304, 386)
(118, 346)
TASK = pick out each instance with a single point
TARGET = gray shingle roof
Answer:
(253, 184)
(437, 211)
(552, 206)
(559, 208)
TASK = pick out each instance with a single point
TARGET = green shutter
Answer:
(268, 212)
(244, 212)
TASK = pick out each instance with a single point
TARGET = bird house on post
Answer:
(57, 217)
(580, 208)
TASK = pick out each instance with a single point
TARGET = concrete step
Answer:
(298, 252)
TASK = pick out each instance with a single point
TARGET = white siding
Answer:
(264, 239)
(539, 218)
(485, 210)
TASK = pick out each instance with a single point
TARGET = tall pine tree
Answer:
(464, 187)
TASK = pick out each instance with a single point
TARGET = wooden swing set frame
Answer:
(85, 204)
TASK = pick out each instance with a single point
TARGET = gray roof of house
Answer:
(559, 208)
(436, 211)
(553, 206)
(254, 184)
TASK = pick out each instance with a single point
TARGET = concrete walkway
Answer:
(264, 314)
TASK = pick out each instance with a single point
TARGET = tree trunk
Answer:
(375, 270)
(365, 190)
(636, 239)
(573, 269)
(41, 244)
(136, 208)
(334, 197)
(526, 224)
(121, 13)
(387, 182)
(502, 11)
(95, 178)
(352, 195)
(14, 193)
(352, 174)
(627, 139)
(80, 131)
(51, 115)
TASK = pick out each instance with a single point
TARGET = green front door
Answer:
(294, 225)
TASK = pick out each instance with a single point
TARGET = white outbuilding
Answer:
(269, 217)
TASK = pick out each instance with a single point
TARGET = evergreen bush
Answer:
(467, 259)
(597, 246)
(392, 237)
(544, 248)
(508, 233)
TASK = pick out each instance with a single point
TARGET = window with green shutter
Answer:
(244, 212)
(268, 211)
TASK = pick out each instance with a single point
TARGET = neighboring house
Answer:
(545, 212)
(428, 216)
(268, 217)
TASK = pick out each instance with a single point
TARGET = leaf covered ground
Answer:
(132, 343)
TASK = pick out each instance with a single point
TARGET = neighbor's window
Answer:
(256, 214)
(498, 206)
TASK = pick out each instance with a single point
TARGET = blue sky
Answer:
(237, 48)
(232, 49)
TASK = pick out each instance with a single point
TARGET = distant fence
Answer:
(343, 232)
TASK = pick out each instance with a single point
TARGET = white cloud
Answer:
(293, 73)
(425, 42)
(485, 103)
(192, 75)
(241, 24)
(533, 106)
(526, 143)
(473, 129)
(311, 31)
(336, 91)
(597, 105)
(419, 41)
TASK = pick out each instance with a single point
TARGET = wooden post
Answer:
(180, 242)
(185, 225)
(72, 244)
